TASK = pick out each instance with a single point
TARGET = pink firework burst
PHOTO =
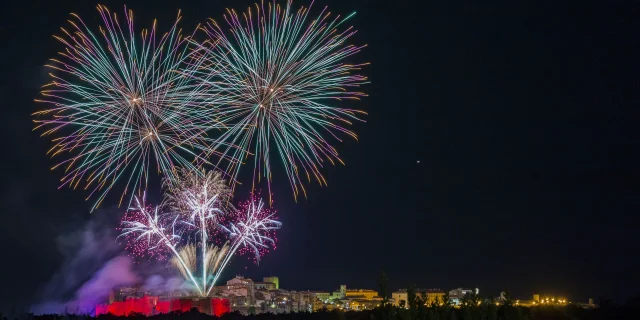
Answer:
(148, 231)
(252, 228)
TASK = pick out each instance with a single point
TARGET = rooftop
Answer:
(360, 290)
(433, 290)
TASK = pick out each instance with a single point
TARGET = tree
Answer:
(490, 309)
(605, 303)
(471, 299)
(412, 298)
(383, 284)
(422, 305)
(507, 298)
(445, 300)
(385, 311)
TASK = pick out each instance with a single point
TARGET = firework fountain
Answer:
(200, 224)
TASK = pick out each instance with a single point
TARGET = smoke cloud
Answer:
(94, 264)
(115, 273)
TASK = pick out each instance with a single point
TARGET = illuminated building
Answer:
(344, 293)
(360, 304)
(456, 295)
(240, 292)
(365, 294)
(552, 300)
(400, 297)
(240, 287)
(303, 301)
(273, 280)
(265, 285)
(317, 305)
(433, 295)
(352, 299)
(340, 293)
(321, 295)
(240, 281)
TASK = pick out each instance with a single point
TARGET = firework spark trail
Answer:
(189, 256)
(273, 79)
(214, 260)
(202, 207)
(147, 223)
(117, 102)
(198, 194)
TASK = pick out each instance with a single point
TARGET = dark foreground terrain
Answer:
(484, 312)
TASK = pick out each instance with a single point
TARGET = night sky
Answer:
(522, 115)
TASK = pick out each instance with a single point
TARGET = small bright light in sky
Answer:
(418, 161)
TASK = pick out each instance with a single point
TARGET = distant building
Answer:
(273, 280)
(552, 300)
(400, 297)
(303, 301)
(321, 295)
(265, 285)
(317, 305)
(240, 291)
(340, 294)
(239, 281)
(365, 294)
(350, 299)
(456, 295)
(588, 305)
(360, 304)
(433, 295)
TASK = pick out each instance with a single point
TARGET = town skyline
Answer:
(248, 296)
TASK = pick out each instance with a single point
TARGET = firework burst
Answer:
(275, 76)
(188, 191)
(117, 107)
(150, 231)
(251, 228)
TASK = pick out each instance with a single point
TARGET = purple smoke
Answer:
(94, 264)
(116, 272)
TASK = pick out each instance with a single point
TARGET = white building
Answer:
(240, 287)
(456, 295)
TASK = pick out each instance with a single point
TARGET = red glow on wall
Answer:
(220, 306)
(150, 305)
